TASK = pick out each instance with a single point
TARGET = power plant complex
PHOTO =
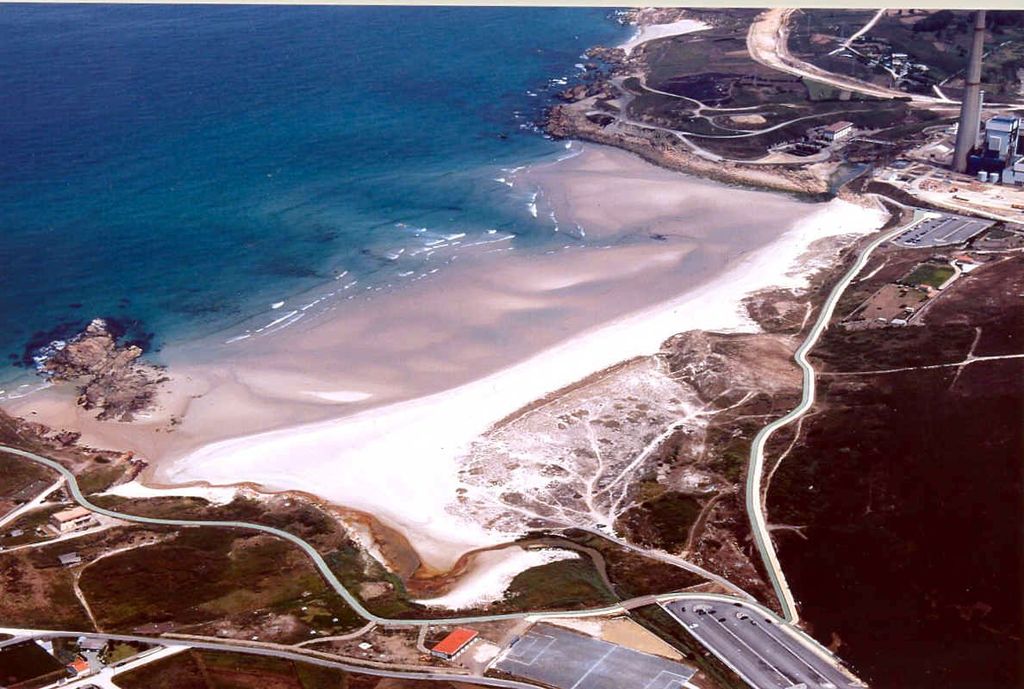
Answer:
(993, 156)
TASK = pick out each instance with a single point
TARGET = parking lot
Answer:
(762, 652)
(568, 660)
(940, 229)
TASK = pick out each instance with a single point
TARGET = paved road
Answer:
(768, 43)
(329, 576)
(31, 504)
(863, 30)
(755, 508)
(321, 564)
(666, 558)
(434, 675)
(763, 653)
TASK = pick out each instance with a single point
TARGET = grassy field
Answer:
(631, 574)
(930, 274)
(37, 593)
(100, 477)
(16, 473)
(663, 521)
(714, 67)
(28, 523)
(566, 584)
(205, 575)
(894, 472)
(216, 670)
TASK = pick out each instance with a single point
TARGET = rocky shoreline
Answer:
(110, 377)
(590, 113)
(659, 148)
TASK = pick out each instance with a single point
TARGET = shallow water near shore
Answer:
(186, 170)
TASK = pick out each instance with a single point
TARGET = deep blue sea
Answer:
(182, 168)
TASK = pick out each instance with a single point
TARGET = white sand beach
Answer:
(650, 32)
(371, 406)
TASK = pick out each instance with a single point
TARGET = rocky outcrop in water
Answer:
(110, 377)
(611, 56)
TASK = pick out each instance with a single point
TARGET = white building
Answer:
(837, 131)
(74, 519)
(1001, 137)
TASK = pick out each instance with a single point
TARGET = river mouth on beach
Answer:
(386, 375)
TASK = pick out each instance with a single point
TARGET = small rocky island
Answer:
(110, 377)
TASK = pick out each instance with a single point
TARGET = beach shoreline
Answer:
(404, 456)
(357, 439)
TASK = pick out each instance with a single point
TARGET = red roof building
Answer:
(454, 644)
(78, 666)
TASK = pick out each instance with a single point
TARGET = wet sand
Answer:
(370, 404)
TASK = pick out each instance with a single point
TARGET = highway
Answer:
(755, 509)
(322, 566)
(763, 653)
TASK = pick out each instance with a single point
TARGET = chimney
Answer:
(970, 106)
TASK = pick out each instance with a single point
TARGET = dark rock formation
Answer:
(110, 377)
(612, 56)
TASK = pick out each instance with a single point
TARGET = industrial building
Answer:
(454, 644)
(999, 156)
(837, 131)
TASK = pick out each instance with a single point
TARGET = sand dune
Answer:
(371, 404)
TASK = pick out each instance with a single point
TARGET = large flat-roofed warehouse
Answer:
(933, 228)
(564, 659)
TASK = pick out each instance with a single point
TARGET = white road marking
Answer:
(593, 667)
(534, 638)
(670, 678)
(751, 649)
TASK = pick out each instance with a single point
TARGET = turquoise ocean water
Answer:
(181, 169)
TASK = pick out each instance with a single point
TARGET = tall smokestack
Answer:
(970, 107)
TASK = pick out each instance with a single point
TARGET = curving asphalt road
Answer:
(755, 509)
(325, 569)
(439, 676)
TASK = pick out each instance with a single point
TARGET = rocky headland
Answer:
(110, 377)
(598, 111)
